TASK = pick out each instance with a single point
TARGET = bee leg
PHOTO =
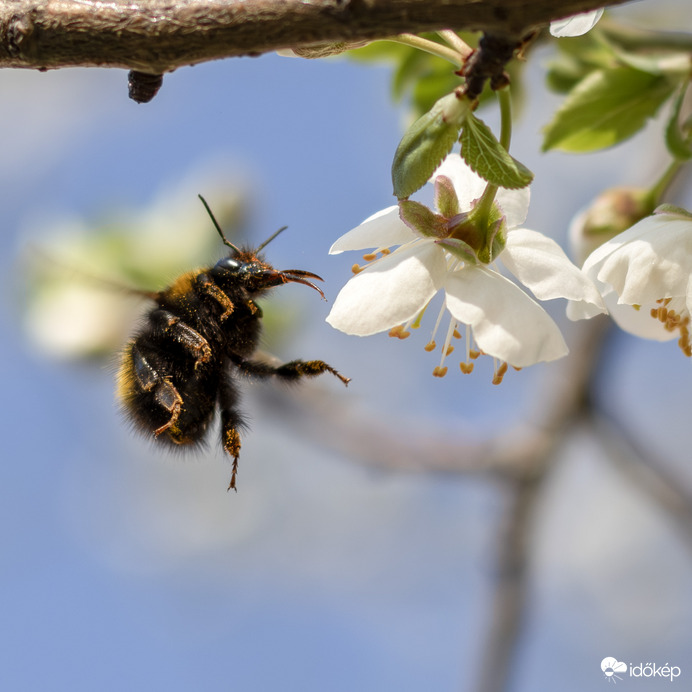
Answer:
(291, 371)
(165, 394)
(231, 421)
(205, 284)
(168, 324)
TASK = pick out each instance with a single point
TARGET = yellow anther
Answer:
(356, 268)
(370, 256)
(466, 368)
(456, 334)
(450, 348)
(430, 346)
(399, 332)
(439, 371)
(474, 354)
(500, 373)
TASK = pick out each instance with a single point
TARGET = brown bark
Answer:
(156, 36)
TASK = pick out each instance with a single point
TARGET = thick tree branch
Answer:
(157, 36)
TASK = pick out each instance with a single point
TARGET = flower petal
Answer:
(506, 322)
(575, 26)
(514, 205)
(541, 265)
(390, 291)
(650, 260)
(382, 229)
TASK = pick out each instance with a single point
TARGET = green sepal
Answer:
(605, 108)
(426, 143)
(446, 197)
(486, 157)
(497, 238)
(459, 249)
(673, 210)
(421, 219)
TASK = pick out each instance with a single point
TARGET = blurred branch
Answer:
(157, 36)
(511, 585)
(638, 465)
(516, 453)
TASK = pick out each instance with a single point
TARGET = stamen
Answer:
(466, 367)
(673, 320)
(356, 268)
(370, 256)
(500, 373)
(430, 346)
(439, 371)
(419, 317)
(399, 332)
(456, 334)
(435, 328)
(447, 348)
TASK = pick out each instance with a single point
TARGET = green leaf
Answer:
(605, 108)
(426, 143)
(677, 141)
(489, 159)
(576, 58)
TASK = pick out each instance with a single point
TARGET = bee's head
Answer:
(249, 269)
(255, 275)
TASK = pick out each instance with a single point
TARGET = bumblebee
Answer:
(205, 327)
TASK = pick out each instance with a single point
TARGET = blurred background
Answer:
(124, 567)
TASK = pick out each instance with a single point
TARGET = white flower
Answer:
(645, 277)
(576, 25)
(392, 291)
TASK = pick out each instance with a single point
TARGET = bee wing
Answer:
(45, 264)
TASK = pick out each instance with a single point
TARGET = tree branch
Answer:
(157, 36)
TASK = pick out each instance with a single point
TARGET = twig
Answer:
(157, 36)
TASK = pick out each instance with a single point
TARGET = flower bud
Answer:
(612, 212)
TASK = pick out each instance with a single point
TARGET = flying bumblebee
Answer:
(180, 366)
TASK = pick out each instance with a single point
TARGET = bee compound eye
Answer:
(228, 264)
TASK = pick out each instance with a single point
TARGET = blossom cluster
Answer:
(466, 249)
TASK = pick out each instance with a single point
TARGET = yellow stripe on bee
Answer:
(182, 286)
(125, 378)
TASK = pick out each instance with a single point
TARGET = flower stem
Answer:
(455, 41)
(659, 188)
(424, 44)
(485, 204)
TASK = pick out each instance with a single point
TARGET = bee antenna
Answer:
(218, 228)
(270, 238)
